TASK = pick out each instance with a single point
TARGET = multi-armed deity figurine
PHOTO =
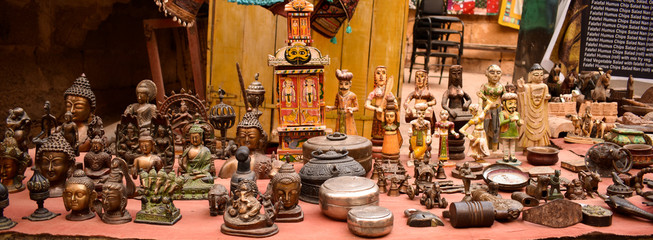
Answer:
(285, 188)
(243, 217)
(196, 165)
(534, 104)
(78, 196)
(97, 162)
(158, 189)
(421, 94)
(377, 101)
(148, 160)
(346, 104)
(143, 110)
(56, 160)
(80, 101)
(478, 146)
(20, 123)
(392, 138)
(490, 94)
(510, 122)
(442, 130)
(13, 163)
(420, 135)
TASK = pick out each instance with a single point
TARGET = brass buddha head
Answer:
(13, 163)
(55, 159)
(80, 100)
(79, 192)
(286, 186)
(250, 133)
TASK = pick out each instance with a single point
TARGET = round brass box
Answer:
(370, 221)
(339, 195)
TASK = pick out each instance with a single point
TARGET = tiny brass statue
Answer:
(112, 206)
(243, 172)
(13, 163)
(20, 123)
(420, 135)
(78, 196)
(392, 140)
(5, 222)
(467, 177)
(285, 187)
(164, 144)
(97, 163)
(195, 164)
(48, 123)
(158, 189)
(554, 182)
(243, 217)
(432, 197)
(56, 159)
(376, 101)
(442, 130)
(39, 191)
(509, 123)
(575, 190)
(127, 133)
(590, 182)
(69, 130)
(250, 134)
(490, 94)
(147, 160)
(440, 174)
(346, 104)
(478, 145)
(534, 106)
(421, 94)
(143, 109)
(218, 198)
(80, 101)
(95, 129)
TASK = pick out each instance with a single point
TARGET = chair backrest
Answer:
(433, 7)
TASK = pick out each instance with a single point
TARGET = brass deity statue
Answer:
(13, 163)
(243, 217)
(97, 163)
(148, 160)
(196, 165)
(143, 110)
(78, 196)
(55, 159)
(285, 188)
(21, 125)
(80, 101)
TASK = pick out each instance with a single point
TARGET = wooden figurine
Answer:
(534, 106)
(377, 101)
(56, 159)
(78, 196)
(346, 104)
(158, 189)
(392, 139)
(509, 122)
(243, 217)
(421, 94)
(148, 160)
(80, 101)
(13, 163)
(21, 125)
(478, 146)
(420, 135)
(456, 102)
(143, 109)
(490, 94)
(569, 83)
(586, 85)
(443, 129)
(195, 165)
(575, 190)
(97, 163)
(601, 92)
(285, 187)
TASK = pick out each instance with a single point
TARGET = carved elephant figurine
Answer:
(218, 196)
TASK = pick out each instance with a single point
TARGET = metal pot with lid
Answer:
(323, 166)
(359, 148)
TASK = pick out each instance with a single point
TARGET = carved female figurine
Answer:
(491, 92)
(55, 159)
(285, 188)
(455, 100)
(78, 196)
(163, 141)
(97, 162)
(421, 94)
(346, 104)
(510, 122)
(478, 148)
(20, 123)
(392, 139)
(442, 131)
(420, 134)
(376, 101)
(143, 110)
(13, 163)
(534, 104)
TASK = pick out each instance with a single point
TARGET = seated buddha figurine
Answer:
(195, 165)
(148, 160)
(97, 162)
(13, 163)
(143, 110)
(244, 218)
(78, 196)
(80, 101)
(55, 159)
(250, 133)
(285, 187)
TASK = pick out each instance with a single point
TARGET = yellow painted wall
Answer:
(247, 34)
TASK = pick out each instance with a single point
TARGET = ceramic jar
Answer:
(370, 221)
(323, 166)
(339, 195)
(359, 148)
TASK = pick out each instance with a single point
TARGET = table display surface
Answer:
(196, 222)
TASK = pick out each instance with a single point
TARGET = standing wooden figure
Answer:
(442, 130)
(392, 139)
(510, 122)
(346, 104)
(376, 101)
(489, 93)
(534, 106)
(420, 135)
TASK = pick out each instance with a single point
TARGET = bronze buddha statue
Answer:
(195, 164)
(80, 101)
(143, 110)
(148, 160)
(55, 159)
(78, 196)
(97, 162)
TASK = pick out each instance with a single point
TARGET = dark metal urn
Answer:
(323, 166)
